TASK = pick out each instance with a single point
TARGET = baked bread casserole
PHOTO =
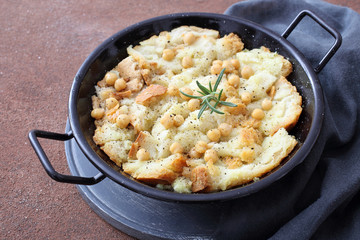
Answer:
(149, 126)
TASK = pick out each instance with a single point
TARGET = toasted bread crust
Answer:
(161, 176)
(150, 92)
(136, 145)
(199, 179)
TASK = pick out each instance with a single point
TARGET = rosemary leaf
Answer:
(201, 93)
(218, 100)
(190, 96)
(219, 79)
(202, 109)
(209, 95)
(221, 91)
(215, 105)
(202, 88)
(228, 104)
(211, 107)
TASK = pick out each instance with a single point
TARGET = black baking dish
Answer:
(113, 50)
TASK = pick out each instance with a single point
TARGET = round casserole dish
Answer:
(113, 50)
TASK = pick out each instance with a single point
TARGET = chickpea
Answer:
(225, 129)
(193, 104)
(123, 120)
(187, 91)
(124, 109)
(215, 69)
(194, 154)
(245, 97)
(176, 148)
(236, 72)
(111, 102)
(110, 78)
(120, 84)
(247, 72)
(201, 146)
(178, 120)
(142, 154)
(187, 62)
(97, 113)
(217, 62)
(210, 156)
(168, 54)
(214, 135)
(167, 121)
(172, 90)
(228, 66)
(235, 63)
(189, 38)
(266, 104)
(234, 80)
(258, 114)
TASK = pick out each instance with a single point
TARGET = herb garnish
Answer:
(210, 94)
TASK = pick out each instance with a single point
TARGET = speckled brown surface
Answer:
(43, 43)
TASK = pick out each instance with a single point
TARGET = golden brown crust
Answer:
(265, 49)
(178, 163)
(146, 74)
(199, 178)
(186, 172)
(150, 92)
(120, 95)
(239, 109)
(242, 155)
(251, 123)
(247, 155)
(286, 68)
(249, 137)
(160, 176)
(136, 145)
(233, 162)
(112, 113)
(134, 84)
(291, 121)
(233, 43)
(129, 70)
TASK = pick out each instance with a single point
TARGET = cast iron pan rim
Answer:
(103, 167)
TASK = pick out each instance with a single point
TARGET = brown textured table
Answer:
(43, 43)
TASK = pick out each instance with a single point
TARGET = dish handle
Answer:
(332, 31)
(33, 137)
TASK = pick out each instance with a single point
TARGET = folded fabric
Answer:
(320, 198)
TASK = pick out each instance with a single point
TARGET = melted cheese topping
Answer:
(159, 121)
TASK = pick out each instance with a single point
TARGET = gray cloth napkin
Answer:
(320, 198)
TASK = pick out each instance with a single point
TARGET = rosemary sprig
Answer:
(210, 94)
